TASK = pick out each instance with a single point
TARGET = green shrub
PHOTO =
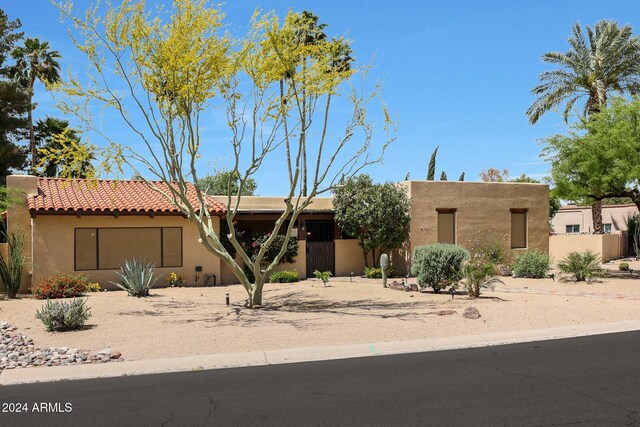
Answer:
(624, 266)
(11, 268)
(478, 273)
(581, 265)
(287, 276)
(136, 277)
(532, 264)
(322, 275)
(63, 316)
(376, 273)
(61, 286)
(491, 247)
(438, 265)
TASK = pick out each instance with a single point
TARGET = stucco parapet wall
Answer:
(275, 204)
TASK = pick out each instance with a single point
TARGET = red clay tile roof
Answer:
(56, 195)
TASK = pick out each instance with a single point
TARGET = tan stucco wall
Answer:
(607, 246)
(53, 237)
(19, 220)
(349, 258)
(480, 208)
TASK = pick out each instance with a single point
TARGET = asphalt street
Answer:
(579, 381)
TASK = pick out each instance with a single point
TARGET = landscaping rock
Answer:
(17, 351)
(471, 313)
(504, 271)
(397, 286)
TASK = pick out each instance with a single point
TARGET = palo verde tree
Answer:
(600, 158)
(162, 71)
(378, 215)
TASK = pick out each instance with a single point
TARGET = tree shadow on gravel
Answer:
(313, 307)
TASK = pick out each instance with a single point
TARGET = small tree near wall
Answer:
(378, 215)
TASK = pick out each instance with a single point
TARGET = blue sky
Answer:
(456, 73)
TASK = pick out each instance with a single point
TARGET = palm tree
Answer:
(48, 134)
(35, 61)
(606, 61)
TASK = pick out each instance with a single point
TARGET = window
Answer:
(108, 248)
(573, 228)
(446, 226)
(518, 228)
(606, 228)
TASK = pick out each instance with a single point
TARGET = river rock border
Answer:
(18, 351)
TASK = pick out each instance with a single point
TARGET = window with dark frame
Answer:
(108, 248)
(446, 226)
(572, 228)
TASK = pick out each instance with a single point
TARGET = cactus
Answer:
(384, 265)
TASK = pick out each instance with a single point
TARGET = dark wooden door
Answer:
(320, 247)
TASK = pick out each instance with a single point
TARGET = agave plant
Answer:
(136, 277)
(583, 266)
(11, 268)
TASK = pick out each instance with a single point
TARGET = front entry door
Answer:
(320, 247)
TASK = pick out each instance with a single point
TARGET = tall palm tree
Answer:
(47, 135)
(606, 61)
(35, 61)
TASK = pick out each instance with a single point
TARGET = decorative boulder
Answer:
(471, 313)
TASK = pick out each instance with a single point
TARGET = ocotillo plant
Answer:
(384, 265)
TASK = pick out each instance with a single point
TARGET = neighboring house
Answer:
(92, 228)
(573, 227)
(578, 219)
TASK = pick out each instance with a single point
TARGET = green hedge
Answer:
(287, 276)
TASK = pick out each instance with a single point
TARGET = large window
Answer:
(108, 248)
(518, 228)
(446, 226)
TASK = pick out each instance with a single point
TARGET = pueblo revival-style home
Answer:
(92, 227)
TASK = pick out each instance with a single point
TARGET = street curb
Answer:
(307, 354)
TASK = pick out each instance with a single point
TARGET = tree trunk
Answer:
(255, 297)
(596, 214)
(32, 137)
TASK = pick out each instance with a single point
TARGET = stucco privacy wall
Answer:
(480, 207)
(52, 240)
(607, 246)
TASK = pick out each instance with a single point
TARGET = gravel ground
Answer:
(186, 321)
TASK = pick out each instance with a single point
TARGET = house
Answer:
(92, 227)
(578, 219)
(573, 227)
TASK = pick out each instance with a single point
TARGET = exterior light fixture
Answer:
(227, 299)
(453, 293)
(351, 277)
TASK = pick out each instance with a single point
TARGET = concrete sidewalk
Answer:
(309, 354)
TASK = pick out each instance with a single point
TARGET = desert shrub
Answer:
(175, 279)
(287, 276)
(491, 247)
(581, 265)
(624, 266)
(477, 273)
(438, 265)
(11, 268)
(323, 275)
(136, 277)
(61, 285)
(63, 316)
(532, 264)
(94, 287)
(376, 273)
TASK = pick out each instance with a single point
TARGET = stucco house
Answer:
(92, 227)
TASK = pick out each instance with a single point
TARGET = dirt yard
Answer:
(188, 321)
